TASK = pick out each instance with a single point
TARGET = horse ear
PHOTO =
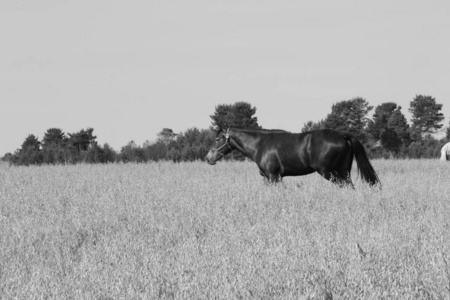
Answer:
(217, 128)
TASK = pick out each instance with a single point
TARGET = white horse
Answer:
(445, 152)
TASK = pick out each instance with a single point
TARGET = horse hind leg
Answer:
(326, 174)
(343, 178)
(348, 179)
(340, 178)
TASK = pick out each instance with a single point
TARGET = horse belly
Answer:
(295, 166)
(297, 171)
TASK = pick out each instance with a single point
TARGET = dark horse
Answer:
(279, 153)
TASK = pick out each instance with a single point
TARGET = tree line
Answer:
(57, 147)
(387, 134)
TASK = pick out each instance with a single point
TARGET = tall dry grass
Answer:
(193, 231)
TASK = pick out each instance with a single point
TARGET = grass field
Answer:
(194, 231)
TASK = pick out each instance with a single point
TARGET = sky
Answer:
(130, 68)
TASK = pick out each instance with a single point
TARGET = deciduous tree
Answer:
(193, 144)
(132, 153)
(8, 157)
(108, 154)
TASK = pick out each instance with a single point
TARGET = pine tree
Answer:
(379, 122)
(447, 133)
(54, 136)
(237, 114)
(166, 136)
(30, 152)
(82, 140)
(426, 114)
(390, 140)
(310, 125)
(397, 122)
(349, 116)
(54, 146)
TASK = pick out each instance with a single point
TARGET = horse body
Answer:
(279, 153)
(283, 154)
(445, 152)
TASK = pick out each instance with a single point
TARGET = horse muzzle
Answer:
(212, 157)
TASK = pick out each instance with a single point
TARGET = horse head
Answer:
(221, 146)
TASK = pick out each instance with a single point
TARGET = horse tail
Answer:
(365, 169)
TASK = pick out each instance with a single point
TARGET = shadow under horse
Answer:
(279, 153)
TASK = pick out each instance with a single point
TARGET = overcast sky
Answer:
(130, 68)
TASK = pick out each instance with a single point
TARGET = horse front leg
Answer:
(269, 178)
(266, 178)
(274, 178)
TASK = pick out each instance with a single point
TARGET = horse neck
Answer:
(244, 143)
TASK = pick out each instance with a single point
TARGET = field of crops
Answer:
(194, 231)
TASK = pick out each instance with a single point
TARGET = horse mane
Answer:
(258, 130)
